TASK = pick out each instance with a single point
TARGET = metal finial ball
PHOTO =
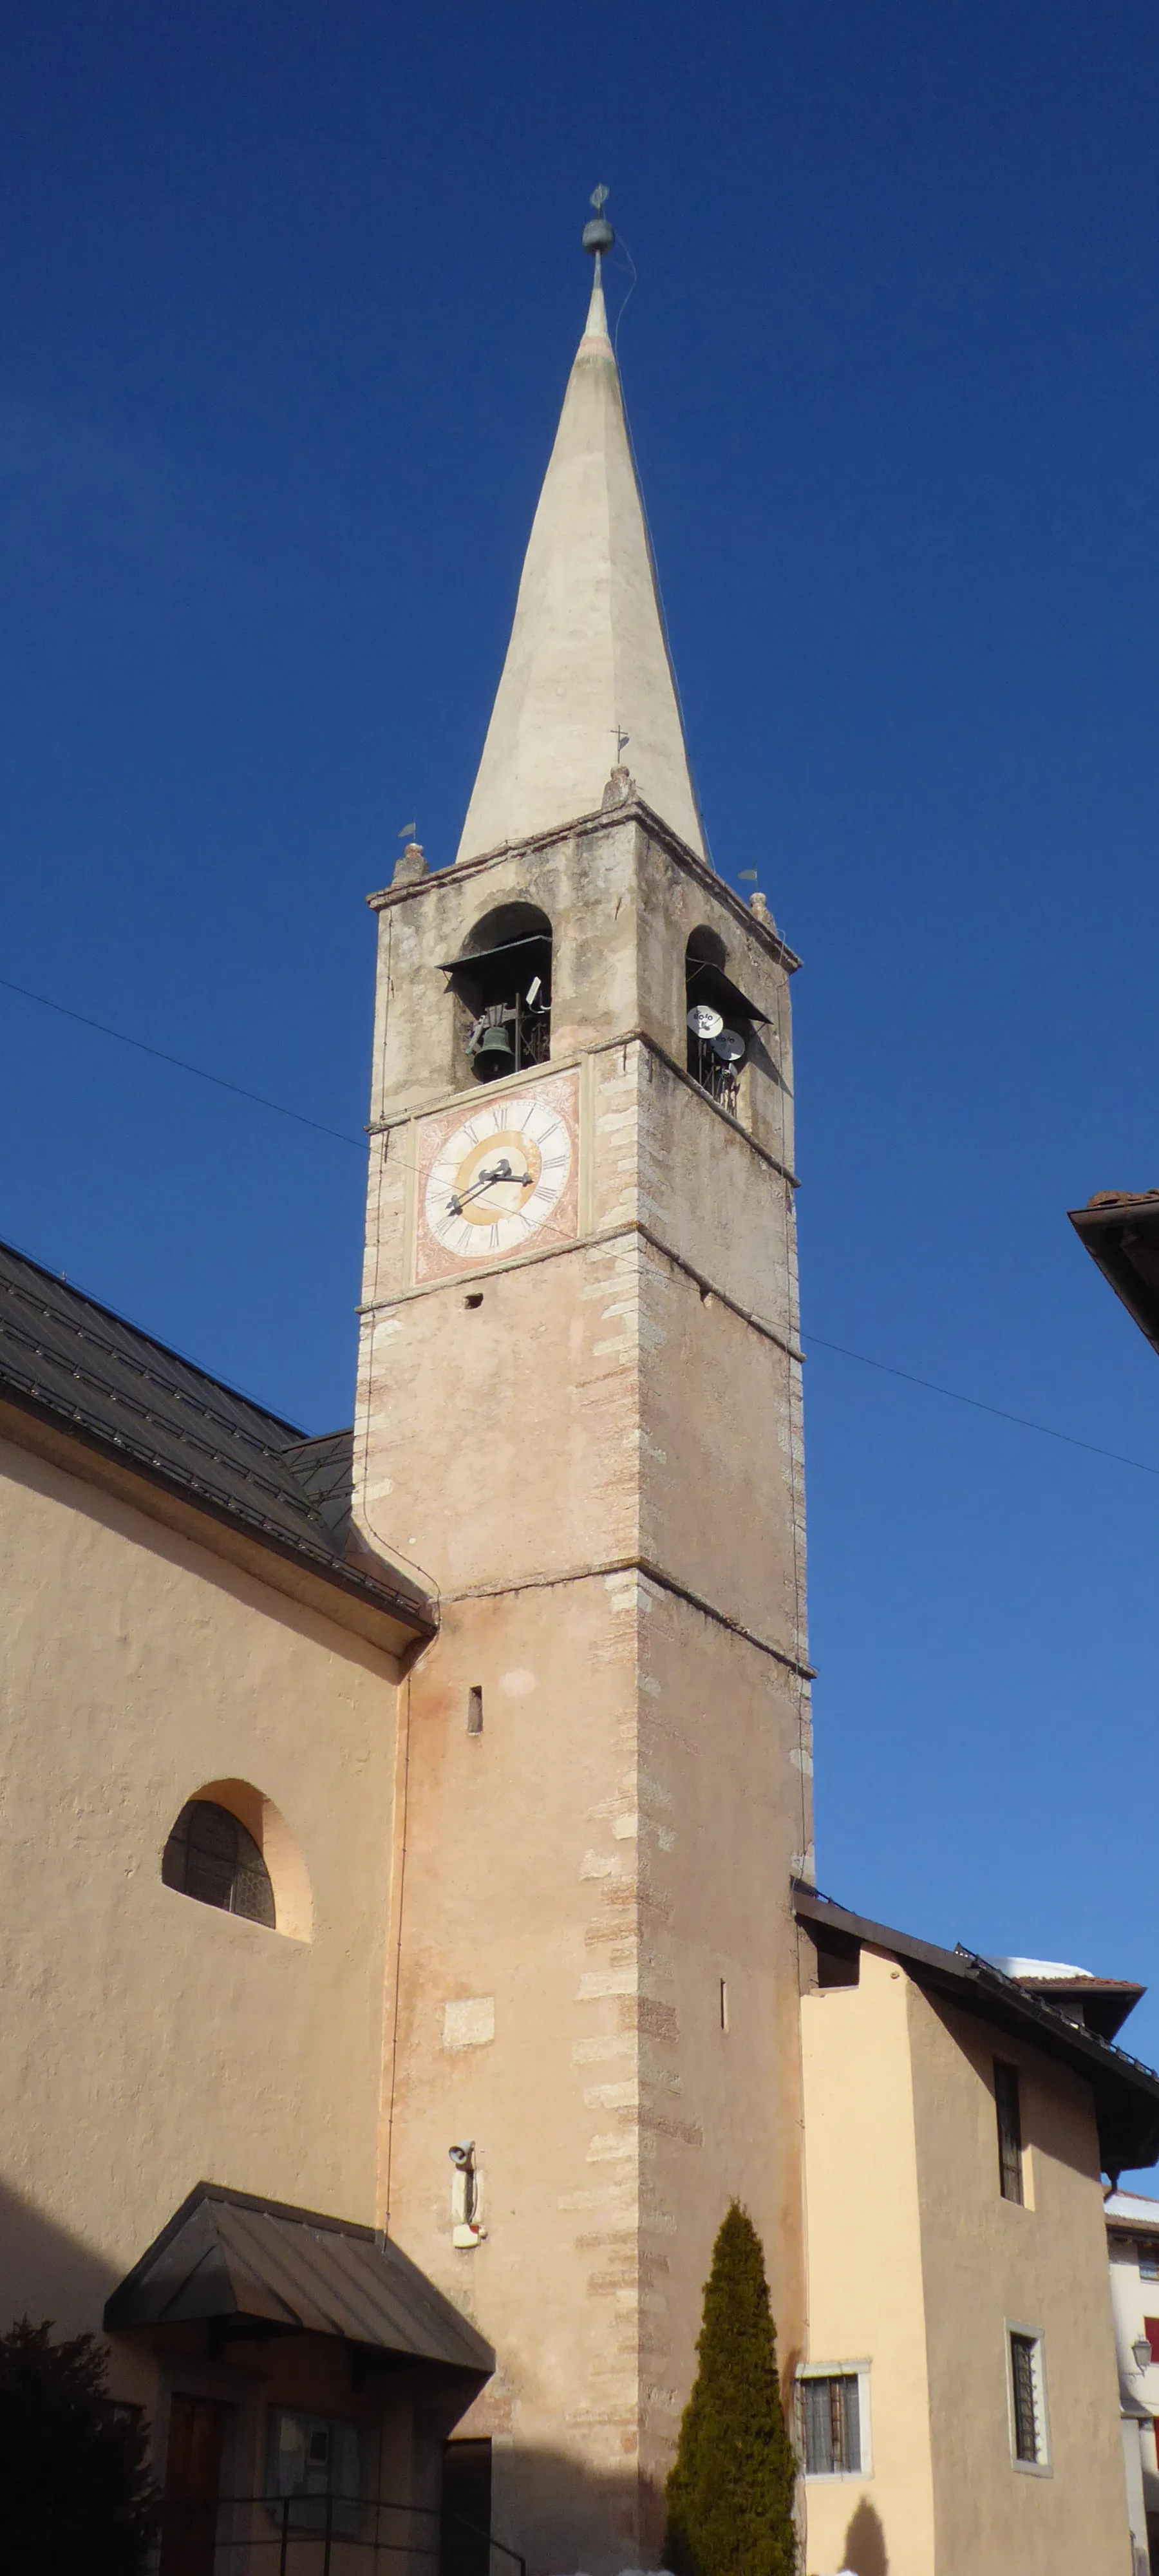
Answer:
(598, 235)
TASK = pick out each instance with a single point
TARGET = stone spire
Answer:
(587, 663)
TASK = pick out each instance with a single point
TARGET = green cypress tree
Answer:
(75, 2492)
(730, 2489)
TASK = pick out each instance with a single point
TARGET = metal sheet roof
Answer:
(1120, 1229)
(80, 1366)
(228, 2257)
(1126, 2093)
(1131, 2210)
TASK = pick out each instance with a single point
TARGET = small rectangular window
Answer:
(1009, 2131)
(1149, 2267)
(1028, 2405)
(830, 2408)
(475, 1709)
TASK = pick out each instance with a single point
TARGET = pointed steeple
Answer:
(587, 666)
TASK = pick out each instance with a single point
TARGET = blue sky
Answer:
(287, 301)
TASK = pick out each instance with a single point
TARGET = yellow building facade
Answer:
(956, 2132)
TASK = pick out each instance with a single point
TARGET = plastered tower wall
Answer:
(597, 1461)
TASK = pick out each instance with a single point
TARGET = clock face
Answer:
(498, 1177)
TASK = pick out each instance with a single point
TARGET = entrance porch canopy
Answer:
(250, 2268)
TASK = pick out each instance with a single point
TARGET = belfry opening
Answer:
(502, 987)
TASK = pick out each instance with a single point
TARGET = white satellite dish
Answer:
(703, 1021)
(729, 1046)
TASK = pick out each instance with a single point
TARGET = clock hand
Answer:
(502, 1172)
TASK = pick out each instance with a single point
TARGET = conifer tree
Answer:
(730, 2490)
(74, 2486)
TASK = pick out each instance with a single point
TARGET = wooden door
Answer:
(465, 2549)
(192, 2487)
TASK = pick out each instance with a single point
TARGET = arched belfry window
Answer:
(211, 1856)
(720, 1024)
(502, 984)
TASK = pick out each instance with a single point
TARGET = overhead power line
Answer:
(341, 1136)
(182, 1065)
(1023, 1421)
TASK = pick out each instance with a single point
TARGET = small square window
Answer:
(1149, 2267)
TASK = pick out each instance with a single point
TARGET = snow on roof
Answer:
(1042, 1969)
(1136, 2205)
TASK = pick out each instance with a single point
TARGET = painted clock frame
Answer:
(535, 1122)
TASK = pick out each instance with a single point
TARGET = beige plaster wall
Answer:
(721, 1471)
(500, 1435)
(865, 2284)
(586, 1871)
(666, 1163)
(988, 2264)
(149, 2041)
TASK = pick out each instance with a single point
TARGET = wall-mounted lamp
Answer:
(466, 2197)
(1141, 2352)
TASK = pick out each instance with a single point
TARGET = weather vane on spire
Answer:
(598, 235)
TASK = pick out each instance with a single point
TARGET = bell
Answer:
(494, 1054)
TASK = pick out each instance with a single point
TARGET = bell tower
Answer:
(579, 1413)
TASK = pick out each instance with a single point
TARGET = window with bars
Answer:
(1009, 2131)
(1028, 2409)
(830, 2423)
(211, 1857)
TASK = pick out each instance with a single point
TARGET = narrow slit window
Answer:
(475, 1709)
(724, 2003)
(1009, 2111)
(1028, 2410)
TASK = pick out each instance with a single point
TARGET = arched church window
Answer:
(210, 1856)
(720, 1024)
(502, 984)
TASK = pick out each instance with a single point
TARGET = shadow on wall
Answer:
(45, 2272)
(865, 2551)
(563, 2517)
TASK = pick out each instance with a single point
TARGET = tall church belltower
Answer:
(579, 1412)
